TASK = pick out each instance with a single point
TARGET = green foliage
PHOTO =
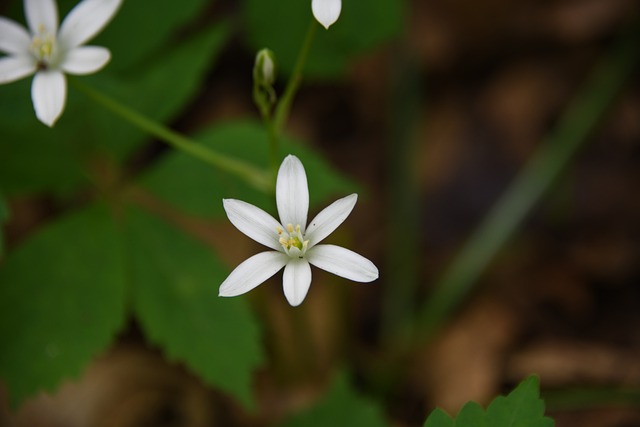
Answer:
(175, 296)
(61, 301)
(34, 157)
(4, 216)
(198, 189)
(153, 91)
(143, 30)
(362, 26)
(521, 408)
(341, 406)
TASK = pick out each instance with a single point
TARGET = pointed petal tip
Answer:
(326, 12)
(49, 93)
(290, 158)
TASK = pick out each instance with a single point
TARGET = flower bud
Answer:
(264, 73)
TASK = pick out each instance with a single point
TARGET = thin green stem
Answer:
(254, 176)
(284, 105)
(579, 120)
(273, 147)
(403, 261)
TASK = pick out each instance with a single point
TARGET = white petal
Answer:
(326, 11)
(342, 262)
(254, 222)
(13, 68)
(85, 59)
(86, 20)
(292, 193)
(13, 37)
(296, 280)
(42, 16)
(49, 94)
(252, 272)
(329, 219)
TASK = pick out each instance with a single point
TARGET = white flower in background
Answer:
(294, 245)
(326, 12)
(49, 51)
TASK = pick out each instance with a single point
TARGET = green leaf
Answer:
(439, 418)
(159, 91)
(198, 189)
(175, 291)
(141, 29)
(362, 26)
(471, 415)
(341, 406)
(33, 156)
(61, 301)
(521, 408)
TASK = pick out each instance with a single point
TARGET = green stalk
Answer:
(551, 158)
(254, 176)
(402, 263)
(284, 105)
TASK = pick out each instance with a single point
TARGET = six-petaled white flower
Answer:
(326, 12)
(49, 51)
(295, 245)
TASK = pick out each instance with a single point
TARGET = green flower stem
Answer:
(256, 177)
(273, 147)
(284, 105)
(574, 127)
(402, 263)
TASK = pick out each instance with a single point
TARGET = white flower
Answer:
(48, 51)
(295, 245)
(326, 12)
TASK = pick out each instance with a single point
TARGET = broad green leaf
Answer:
(175, 297)
(341, 406)
(471, 415)
(61, 301)
(521, 408)
(33, 156)
(198, 188)
(362, 26)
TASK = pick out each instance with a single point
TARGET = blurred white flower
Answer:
(326, 12)
(49, 51)
(295, 245)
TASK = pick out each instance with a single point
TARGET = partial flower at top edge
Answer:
(49, 51)
(326, 12)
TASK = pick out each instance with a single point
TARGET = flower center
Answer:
(43, 47)
(292, 241)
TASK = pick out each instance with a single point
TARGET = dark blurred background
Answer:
(434, 125)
